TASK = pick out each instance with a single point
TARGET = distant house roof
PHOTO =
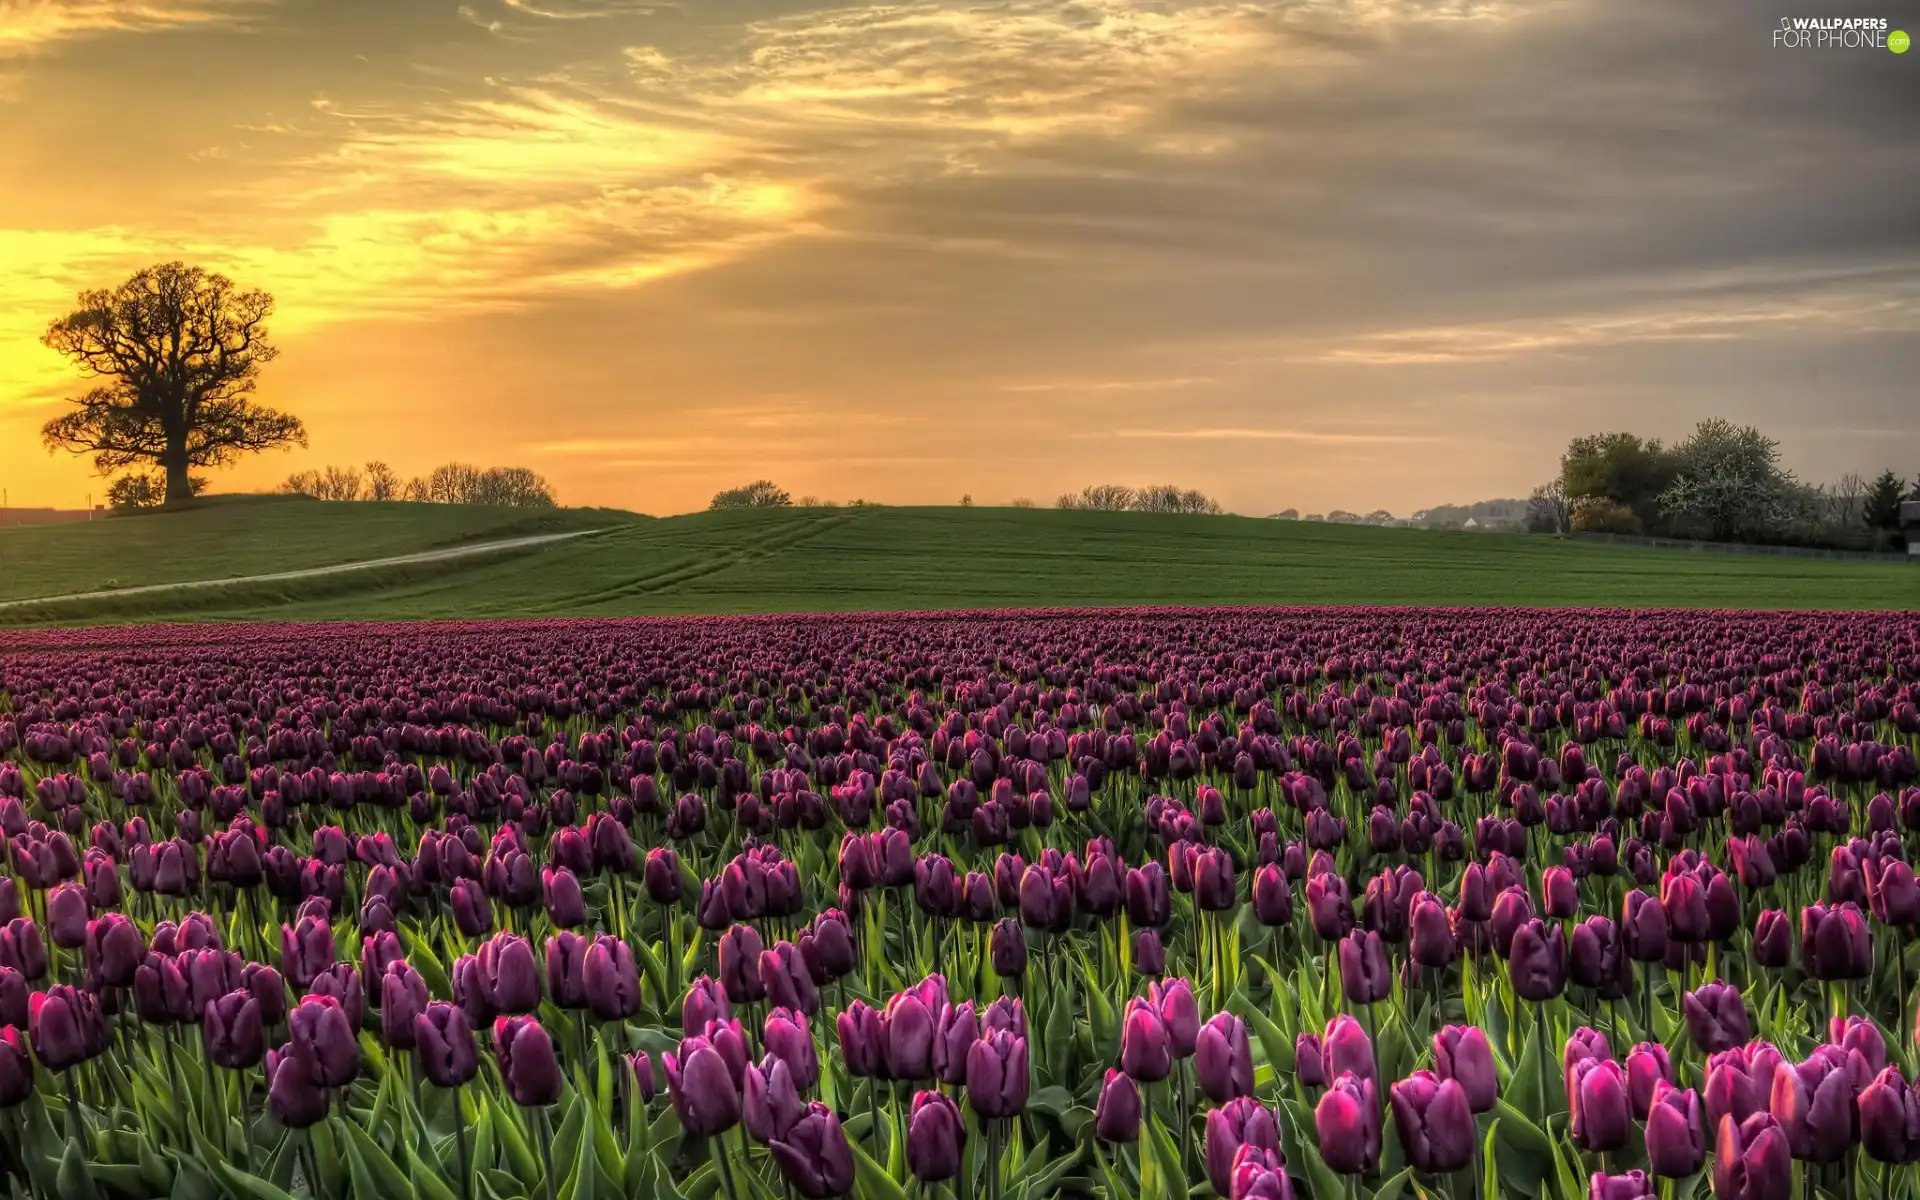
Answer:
(1910, 513)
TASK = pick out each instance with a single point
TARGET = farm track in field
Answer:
(442, 554)
(764, 546)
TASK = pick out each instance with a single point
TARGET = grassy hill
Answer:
(865, 559)
(230, 536)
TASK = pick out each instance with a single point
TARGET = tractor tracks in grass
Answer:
(764, 546)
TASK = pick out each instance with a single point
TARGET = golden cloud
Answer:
(28, 26)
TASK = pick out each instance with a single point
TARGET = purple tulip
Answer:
(1177, 1007)
(610, 979)
(1772, 939)
(1116, 1113)
(1462, 1053)
(1223, 1059)
(443, 1040)
(1676, 1132)
(1347, 1123)
(937, 1135)
(1435, 1122)
(294, 1100)
(1602, 1115)
(1890, 1119)
(1365, 974)
(1634, 1185)
(1146, 1049)
(1236, 1124)
(306, 950)
(863, 1041)
(770, 1104)
(1751, 1160)
(815, 1156)
(16, 1069)
(322, 1039)
(1835, 943)
(705, 1001)
(1538, 961)
(232, 1031)
(528, 1066)
(1814, 1102)
(66, 1026)
(997, 1075)
(1717, 1018)
(1008, 948)
(1648, 1066)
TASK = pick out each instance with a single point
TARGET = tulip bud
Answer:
(65, 1026)
(1223, 1059)
(1462, 1053)
(1347, 1122)
(1647, 1066)
(1676, 1133)
(16, 1069)
(937, 1135)
(443, 1040)
(1149, 955)
(815, 1156)
(1235, 1126)
(294, 1100)
(1538, 961)
(1772, 939)
(528, 1066)
(232, 1031)
(1751, 1160)
(1434, 1121)
(1116, 1114)
(997, 1079)
(1602, 1115)
(1634, 1185)
(1365, 974)
(1717, 1018)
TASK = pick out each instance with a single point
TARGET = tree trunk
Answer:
(179, 483)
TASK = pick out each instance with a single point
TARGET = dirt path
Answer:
(442, 554)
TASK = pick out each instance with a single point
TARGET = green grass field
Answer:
(816, 560)
(232, 536)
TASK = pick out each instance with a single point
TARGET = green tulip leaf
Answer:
(871, 1181)
(252, 1185)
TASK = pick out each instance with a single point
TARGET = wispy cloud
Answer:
(1254, 434)
(28, 26)
(1856, 314)
(1168, 383)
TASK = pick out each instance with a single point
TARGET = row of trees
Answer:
(1158, 498)
(450, 483)
(1724, 482)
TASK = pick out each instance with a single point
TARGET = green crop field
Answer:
(852, 559)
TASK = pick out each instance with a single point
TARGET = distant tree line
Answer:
(450, 483)
(1724, 483)
(1158, 498)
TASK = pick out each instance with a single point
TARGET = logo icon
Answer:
(1898, 41)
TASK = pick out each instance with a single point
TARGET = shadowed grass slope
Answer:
(802, 560)
(230, 536)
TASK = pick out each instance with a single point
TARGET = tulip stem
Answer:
(715, 1147)
(1540, 1077)
(460, 1141)
(545, 1129)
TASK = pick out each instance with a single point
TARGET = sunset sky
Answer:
(1319, 254)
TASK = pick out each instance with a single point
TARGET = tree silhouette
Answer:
(177, 351)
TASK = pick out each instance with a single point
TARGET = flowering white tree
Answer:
(1730, 484)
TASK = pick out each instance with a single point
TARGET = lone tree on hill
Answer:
(761, 493)
(177, 352)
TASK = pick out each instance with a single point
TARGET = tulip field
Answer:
(1255, 903)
